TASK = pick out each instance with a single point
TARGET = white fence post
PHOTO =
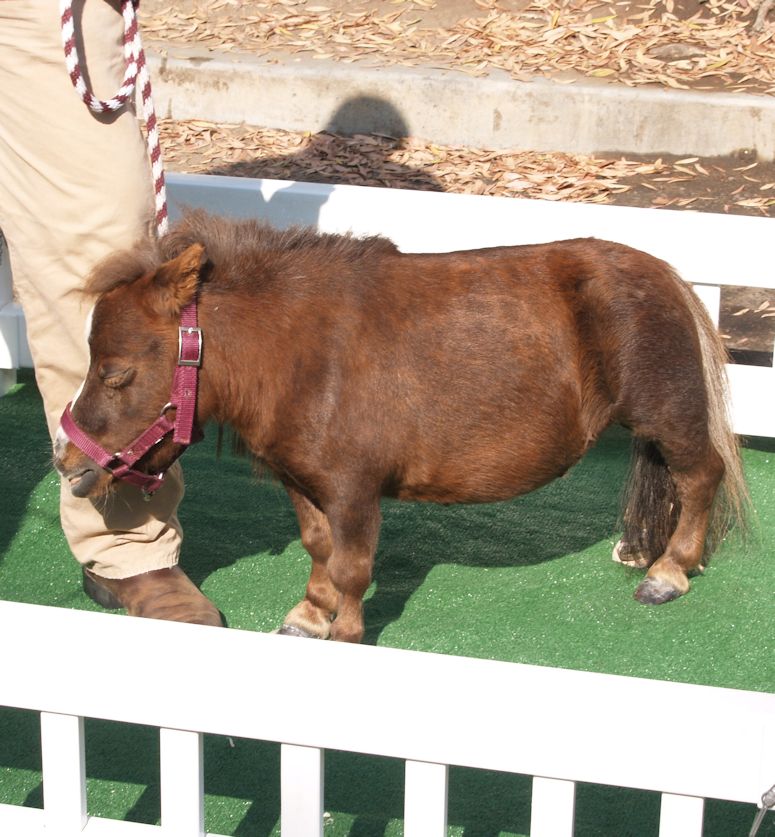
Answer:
(64, 773)
(301, 794)
(425, 799)
(553, 808)
(182, 783)
(681, 816)
(9, 323)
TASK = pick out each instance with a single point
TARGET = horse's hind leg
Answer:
(696, 473)
(312, 616)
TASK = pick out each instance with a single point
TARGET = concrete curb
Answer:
(452, 108)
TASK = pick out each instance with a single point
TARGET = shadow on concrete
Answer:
(357, 147)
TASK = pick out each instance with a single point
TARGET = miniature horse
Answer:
(355, 371)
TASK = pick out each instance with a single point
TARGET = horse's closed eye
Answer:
(115, 379)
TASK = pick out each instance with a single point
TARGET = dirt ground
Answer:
(698, 44)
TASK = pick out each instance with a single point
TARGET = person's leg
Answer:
(76, 186)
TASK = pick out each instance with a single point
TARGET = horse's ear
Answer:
(175, 283)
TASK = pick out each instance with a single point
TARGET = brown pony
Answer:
(355, 371)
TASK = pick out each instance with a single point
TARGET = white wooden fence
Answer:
(432, 711)
(429, 709)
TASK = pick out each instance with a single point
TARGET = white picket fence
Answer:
(431, 710)
(561, 727)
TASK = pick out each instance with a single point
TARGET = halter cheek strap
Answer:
(182, 400)
(186, 380)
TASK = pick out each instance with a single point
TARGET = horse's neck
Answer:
(234, 356)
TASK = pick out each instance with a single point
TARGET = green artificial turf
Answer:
(529, 581)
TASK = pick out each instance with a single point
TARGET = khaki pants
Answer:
(75, 186)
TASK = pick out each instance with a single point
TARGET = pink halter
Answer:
(182, 400)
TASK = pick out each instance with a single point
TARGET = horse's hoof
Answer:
(654, 591)
(292, 630)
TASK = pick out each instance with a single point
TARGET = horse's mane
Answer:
(228, 238)
(123, 267)
(234, 242)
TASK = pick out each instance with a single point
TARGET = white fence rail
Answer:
(708, 250)
(558, 726)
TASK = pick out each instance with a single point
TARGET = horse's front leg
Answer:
(312, 616)
(341, 543)
(355, 531)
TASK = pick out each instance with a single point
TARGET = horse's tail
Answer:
(650, 493)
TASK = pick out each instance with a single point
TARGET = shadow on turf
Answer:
(227, 517)
(25, 453)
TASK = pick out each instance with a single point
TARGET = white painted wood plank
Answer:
(752, 390)
(425, 799)
(182, 783)
(101, 827)
(711, 299)
(18, 821)
(21, 822)
(695, 243)
(553, 808)
(681, 816)
(10, 322)
(64, 772)
(731, 764)
(301, 791)
(6, 288)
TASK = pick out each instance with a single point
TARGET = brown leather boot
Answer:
(159, 594)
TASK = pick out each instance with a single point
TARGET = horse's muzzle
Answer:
(83, 483)
(82, 474)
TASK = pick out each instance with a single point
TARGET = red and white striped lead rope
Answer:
(136, 70)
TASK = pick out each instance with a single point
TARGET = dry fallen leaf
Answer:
(635, 45)
(199, 146)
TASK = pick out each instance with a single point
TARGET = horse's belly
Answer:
(489, 476)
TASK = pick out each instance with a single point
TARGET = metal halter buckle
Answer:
(184, 332)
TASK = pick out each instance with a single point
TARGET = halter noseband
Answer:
(182, 400)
